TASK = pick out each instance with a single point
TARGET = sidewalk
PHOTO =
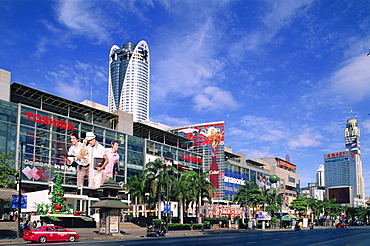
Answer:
(8, 232)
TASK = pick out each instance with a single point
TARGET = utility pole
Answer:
(19, 235)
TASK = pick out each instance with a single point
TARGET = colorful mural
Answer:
(211, 137)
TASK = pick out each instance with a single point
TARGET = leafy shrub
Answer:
(157, 220)
(53, 218)
(178, 224)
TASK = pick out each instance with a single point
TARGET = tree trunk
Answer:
(181, 210)
(198, 210)
(136, 213)
(159, 206)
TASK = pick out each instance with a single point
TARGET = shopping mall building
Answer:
(33, 122)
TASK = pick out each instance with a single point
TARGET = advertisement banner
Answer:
(15, 201)
(113, 221)
(210, 137)
(232, 181)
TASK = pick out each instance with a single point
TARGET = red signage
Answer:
(339, 154)
(187, 157)
(287, 164)
(49, 121)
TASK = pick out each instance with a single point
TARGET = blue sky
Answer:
(283, 75)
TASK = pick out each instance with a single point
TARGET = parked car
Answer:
(360, 223)
(45, 234)
(341, 225)
(156, 229)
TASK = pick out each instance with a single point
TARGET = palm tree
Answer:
(182, 193)
(191, 188)
(316, 207)
(137, 188)
(250, 195)
(203, 188)
(159, 177)
(274, 201)
(300, 205)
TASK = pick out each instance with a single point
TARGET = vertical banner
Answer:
(113, 221)
(15, 201)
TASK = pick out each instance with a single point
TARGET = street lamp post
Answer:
(20, 191)
(167, 210)
(205, 204)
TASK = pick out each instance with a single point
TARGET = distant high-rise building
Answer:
(320, 176)
(352, 140)
(345, 168)
(129, 71)
(340, 169)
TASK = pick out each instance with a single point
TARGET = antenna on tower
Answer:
(350, 112)
(287, 158)
(90, 92)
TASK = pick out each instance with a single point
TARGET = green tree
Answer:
(300, 205)
(160, 178)
(274, 201)
(251, 195)
(58, 193)
(316, 207)
(7, 172)
(182, 193)
(331, 208)
(200, 188)
(138, 187)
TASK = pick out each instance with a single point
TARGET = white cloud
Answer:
(171, 121)
(191, 68)
(76, 82)
(306, 139)
(278, 135)
(213, 98)
(82, 19)
(352, 81)
(365, 125)
(279, 16)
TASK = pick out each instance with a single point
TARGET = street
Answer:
(324, 237)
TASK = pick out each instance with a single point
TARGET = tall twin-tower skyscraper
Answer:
(129, 71)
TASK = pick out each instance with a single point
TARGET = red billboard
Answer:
(211, 137)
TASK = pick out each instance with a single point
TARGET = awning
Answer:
(288, 217)
(110, 203)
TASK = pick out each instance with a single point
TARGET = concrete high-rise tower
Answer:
(320, 176)
(129, 77)
(352, 140)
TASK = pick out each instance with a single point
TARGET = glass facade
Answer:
(8, 127)
(340, 170)
(41, 130)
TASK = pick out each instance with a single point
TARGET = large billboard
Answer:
(232, 181)
(353, 144)
(342, 194)
(210, 137)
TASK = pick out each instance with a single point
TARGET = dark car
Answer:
(360, 223)
(156, 229)
(341, 225)
(50, 233)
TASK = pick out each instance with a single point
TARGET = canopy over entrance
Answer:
(289, 217)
